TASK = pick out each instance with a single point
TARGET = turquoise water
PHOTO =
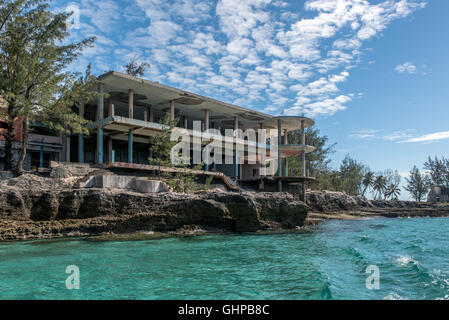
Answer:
(325, 262)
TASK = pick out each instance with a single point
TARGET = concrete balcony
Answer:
(43, 139)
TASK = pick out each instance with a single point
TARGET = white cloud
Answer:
(432, 137)
(399, 135)
(261, 53)
(406, 67)
(366, 134)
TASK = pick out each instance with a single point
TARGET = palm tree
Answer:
(379, 185)
(367, 181)
(393, 191)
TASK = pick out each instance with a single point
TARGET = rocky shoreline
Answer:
(38, 207)
(337, 205)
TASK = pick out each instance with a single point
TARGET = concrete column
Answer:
(206, 120)
(67, 149)
(131, 103)
(130, 146)
(41, 157)
(263, 172)
(172, 110)
(100, 108)
(303, 142)
(145, 116)
(110, 158)
(236, 123)
(286, 159)
(81, 137)
(236, 162)
(303, 160)
(109, 107)
(150, 113)
(280, 153)
(206, 127)
(185, 122)
(112, 110)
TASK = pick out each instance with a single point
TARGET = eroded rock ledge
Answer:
(38, 207)
(29, 214)
(338, 205)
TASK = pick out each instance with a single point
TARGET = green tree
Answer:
(135, 68)
(379, 186)
(418, 184)
(393, 191)
(34, 79)
(367, 181)
(351, 176)
(438, 170)
(392, 181)
(161, 145)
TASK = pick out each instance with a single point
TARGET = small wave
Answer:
(394, 296)
(377, 226)
(325, 292)
(365, 239)
(405, 260)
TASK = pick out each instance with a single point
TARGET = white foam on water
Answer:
(405, 260)
(394, 296)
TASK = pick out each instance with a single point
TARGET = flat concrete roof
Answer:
(186, 103)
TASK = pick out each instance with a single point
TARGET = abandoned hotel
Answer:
(123, 121)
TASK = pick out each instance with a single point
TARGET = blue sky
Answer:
(374, 74)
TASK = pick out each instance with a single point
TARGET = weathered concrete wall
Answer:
(132, 183)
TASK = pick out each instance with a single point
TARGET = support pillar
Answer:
(130, 146)
(206, 127)
(236, 160)
(81, 137)
(150, 113)
(67, 149)
(286, 159)
(185, 122)
(110, 158)
(100, 116)
(109, 107)
(303, 160)
(41, 157)
(262, 169)
(206, 120)
(131, 103)
(172, 110)
(279, 154)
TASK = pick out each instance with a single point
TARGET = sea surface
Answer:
(328, 261)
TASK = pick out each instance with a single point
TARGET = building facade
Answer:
(44, 145)
(123, 122)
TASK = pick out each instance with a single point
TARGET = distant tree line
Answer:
(357, 179)
(437, 174)
(351, 177)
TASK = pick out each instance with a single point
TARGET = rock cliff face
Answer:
(328, 205)
(33, 207)
(28, 214)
